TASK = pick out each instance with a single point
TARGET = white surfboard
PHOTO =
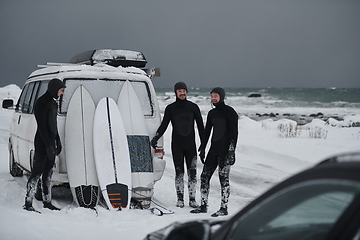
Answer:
(139, 144)
(79, 150)
(112, 155)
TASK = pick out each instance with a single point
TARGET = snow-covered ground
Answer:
(264, 157)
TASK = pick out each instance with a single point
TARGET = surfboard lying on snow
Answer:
(79, 150)
(139, 144)
(112, 155)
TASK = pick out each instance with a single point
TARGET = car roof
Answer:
(345, 157)
(347, 170)
(340, 168)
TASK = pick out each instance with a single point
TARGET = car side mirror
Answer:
(197, 230)
(7, 103)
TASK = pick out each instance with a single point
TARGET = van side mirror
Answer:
(197, 230)
(7, 103)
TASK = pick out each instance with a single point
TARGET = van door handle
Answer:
(19, 119)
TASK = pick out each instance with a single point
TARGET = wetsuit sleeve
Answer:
(164, 123)
(199, 121)
(207, 131)
(41, 115)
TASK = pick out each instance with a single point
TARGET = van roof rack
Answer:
(52, 64)
(112, 57)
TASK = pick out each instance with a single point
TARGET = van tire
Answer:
(14, 169)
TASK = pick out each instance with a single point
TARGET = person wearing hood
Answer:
(223, 121)
(47, 145)
(182, 114)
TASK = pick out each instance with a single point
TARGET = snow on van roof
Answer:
(53, 68)
(101, 54)
(113, 57)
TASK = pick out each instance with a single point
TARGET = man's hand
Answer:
(230, 158)
(58, 147)
(153, 142)
(50, 152)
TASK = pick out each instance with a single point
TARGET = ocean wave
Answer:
(294, 101)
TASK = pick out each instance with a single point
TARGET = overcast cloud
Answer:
(252, 43)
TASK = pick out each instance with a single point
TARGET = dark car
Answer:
(322, 202)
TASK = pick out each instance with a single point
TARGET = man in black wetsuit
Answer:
(223, 121)
(47, 144)
(182, 114)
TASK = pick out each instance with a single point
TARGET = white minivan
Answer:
(102, 72)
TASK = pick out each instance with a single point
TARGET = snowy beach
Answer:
(268, 151)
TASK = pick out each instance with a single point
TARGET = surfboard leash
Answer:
(73, 204)
(159, 210)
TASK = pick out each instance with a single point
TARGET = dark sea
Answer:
(300, 104)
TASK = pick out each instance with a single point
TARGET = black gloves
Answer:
(58, 147)
(202, 154)
(230, 158)
(50, 152)
(154, 141)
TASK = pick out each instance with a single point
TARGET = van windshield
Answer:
(99, 88)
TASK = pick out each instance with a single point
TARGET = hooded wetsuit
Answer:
(182, 114)
(47, 142)
(223, 121)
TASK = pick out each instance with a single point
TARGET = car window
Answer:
(306, 211)
(26, 104)
(143, 93)
(99, 88)
(20, 103)
(33, 97)
(357, 236)
(42, 88)
(30, 93)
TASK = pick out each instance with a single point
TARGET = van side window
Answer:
(42, 89)
(26, 104)
(20, 103)
(143, 93)
(33, 97)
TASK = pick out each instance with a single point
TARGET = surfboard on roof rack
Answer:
(115, 58)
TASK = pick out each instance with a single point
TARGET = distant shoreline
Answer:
(300, 119)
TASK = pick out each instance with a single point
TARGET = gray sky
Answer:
(269, 43)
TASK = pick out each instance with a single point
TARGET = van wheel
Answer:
(15, 170)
